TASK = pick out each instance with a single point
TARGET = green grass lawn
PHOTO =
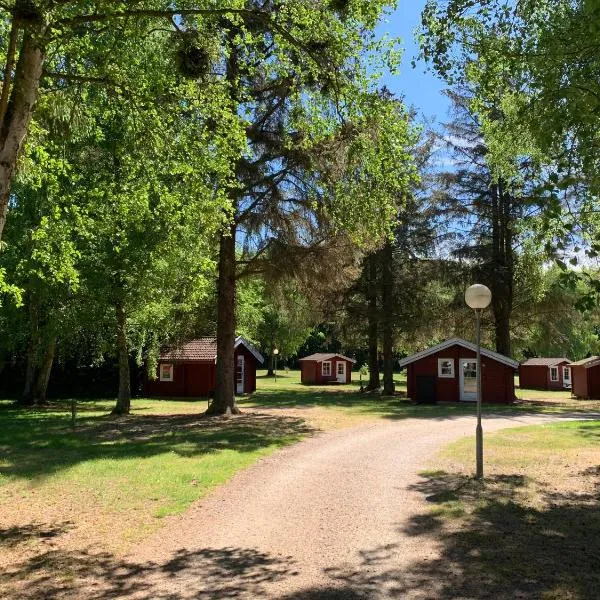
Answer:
(532, 530)
(120, 475)
(348, 402)
(111, 480)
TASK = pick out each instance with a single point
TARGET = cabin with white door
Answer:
(447, 372)
(190, 370)
(326, 367)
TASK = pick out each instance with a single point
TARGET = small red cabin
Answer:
(191, 370)
(585, 378)
(326, 368)
(545, 374)
(448, 373)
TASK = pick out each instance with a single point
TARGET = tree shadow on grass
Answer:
(44, 445)
(506, 548)
(13, 536)
(206, 574)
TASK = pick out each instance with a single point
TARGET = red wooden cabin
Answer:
(585, 378)
(326, 367)
(191, 370)
(545, 374)
(448, 373)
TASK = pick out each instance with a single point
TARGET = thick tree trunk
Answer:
(224, 401)
(17, 117)
(123, 405)
(41, 382)
(271, 368)
(373, 323)
(502, 276)
(387, 317)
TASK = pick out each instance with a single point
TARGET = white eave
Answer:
(240, 341)
(459, 342)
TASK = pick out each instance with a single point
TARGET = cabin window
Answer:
(445, 367)
(553, 373)
(567, 373)
(166, 372)
(326, 368)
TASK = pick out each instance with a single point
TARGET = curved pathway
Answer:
(326, 518)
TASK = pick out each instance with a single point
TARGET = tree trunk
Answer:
(373, 323)
(502, 276)
(123, 404)
(41, 383)
(224, 401)
(271, 368)
(31, 367)
(17, 117)
(387, 317)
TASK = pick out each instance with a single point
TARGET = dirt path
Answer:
(327, 518)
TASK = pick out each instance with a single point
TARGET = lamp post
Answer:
(275, 353)
(478, 297)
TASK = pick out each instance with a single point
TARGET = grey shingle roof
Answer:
(544, 362)
(321, 356)
(592, 361)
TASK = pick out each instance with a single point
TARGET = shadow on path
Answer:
(203, 575)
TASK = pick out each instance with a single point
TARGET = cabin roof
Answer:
(205, 350)
(505, 360)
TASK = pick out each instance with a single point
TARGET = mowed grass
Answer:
(532, 529)
(109, 481)
(343, 405)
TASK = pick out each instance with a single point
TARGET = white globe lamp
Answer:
(478, 296)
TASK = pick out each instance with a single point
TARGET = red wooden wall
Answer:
(497, 379)
(538, 377)
(585, 382)
(197, 379)
(310, 371)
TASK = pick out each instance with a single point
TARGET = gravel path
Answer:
(327, 518)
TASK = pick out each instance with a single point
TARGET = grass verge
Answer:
(109, 482)
(531, 530)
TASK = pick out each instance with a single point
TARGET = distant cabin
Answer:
(190, 371)
(585, 378)
(447, 372)
(545, 374)
(326, 367)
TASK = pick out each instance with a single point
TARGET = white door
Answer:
(341, 372)
(468, 380)
(239, 375)
(567, 377)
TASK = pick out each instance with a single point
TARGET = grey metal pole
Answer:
(479, 429)
(276, 368)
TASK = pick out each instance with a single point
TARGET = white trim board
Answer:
(509, 362)
(240, 341)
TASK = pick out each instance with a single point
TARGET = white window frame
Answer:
(450, 375)
(567, 373)
(160, 372)
(328, 363)
(554, 379)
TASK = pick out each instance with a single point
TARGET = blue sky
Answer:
(421, 89)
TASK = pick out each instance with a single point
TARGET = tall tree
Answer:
(320, 147)
(538, 62)
(487, 214)
(46, 41)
